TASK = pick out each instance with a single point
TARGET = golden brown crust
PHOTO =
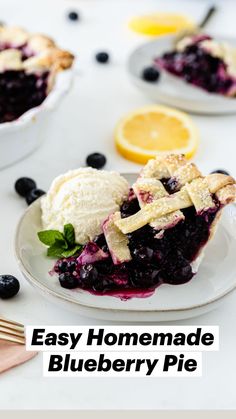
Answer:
(13, 35)
(51, 58)
(217, 181)
(226, 195)
(148, 190)
(195, 191)
(38, 42)
(186, 174)
(42, 50)
(10, 59)
(59, 59)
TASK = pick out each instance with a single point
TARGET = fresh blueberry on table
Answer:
(9, 286)
(222, 171)
(68, 281)
(73, 15)
(24, 185)
(102, 57)
(33, 195)
(96, 160)
(150, 74)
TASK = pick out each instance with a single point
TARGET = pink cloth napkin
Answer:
(12, 354)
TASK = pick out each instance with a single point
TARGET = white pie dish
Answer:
(215, 280)
(172, 90)
(21, 137)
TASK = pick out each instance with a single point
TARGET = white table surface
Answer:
(83, 124)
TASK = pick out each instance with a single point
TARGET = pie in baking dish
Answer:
(28, 67)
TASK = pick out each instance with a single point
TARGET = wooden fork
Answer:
(12, 331)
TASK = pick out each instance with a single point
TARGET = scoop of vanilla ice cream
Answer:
(83, 197)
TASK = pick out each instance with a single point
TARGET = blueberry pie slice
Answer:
(155, 235)
(203, 62)
(28, 67)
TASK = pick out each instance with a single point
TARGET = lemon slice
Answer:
(160, 24)
(155, 130)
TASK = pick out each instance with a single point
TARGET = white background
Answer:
(84, 123)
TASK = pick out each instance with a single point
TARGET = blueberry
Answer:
(179, 276)
(96, 160)
(105, 267)
(150, 74)
(9, 286)
(145, 279)
(101, 242)
(33, 195)
(62, 266)
(159, 256)
(186, 274)
(125, 207)
(68, 281)
(143, 254)
(24, 185)
(104, 283)
(102, 57)
(222, 171)
(88, 275)
(73, 15)
(71, 266)
(172, 185)
(129, 208)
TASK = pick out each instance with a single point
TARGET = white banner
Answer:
(122, 338)
(117, 364)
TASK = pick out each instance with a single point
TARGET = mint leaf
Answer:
(71, 252)
(56, 250)
(69, 234)
(49, 237)
(60, 245)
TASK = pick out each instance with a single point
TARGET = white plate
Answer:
(170, 89)
(215, 280)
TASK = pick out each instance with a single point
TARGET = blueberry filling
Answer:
(156, 258)
(198, 67)
(171, 185)
(20, 92)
